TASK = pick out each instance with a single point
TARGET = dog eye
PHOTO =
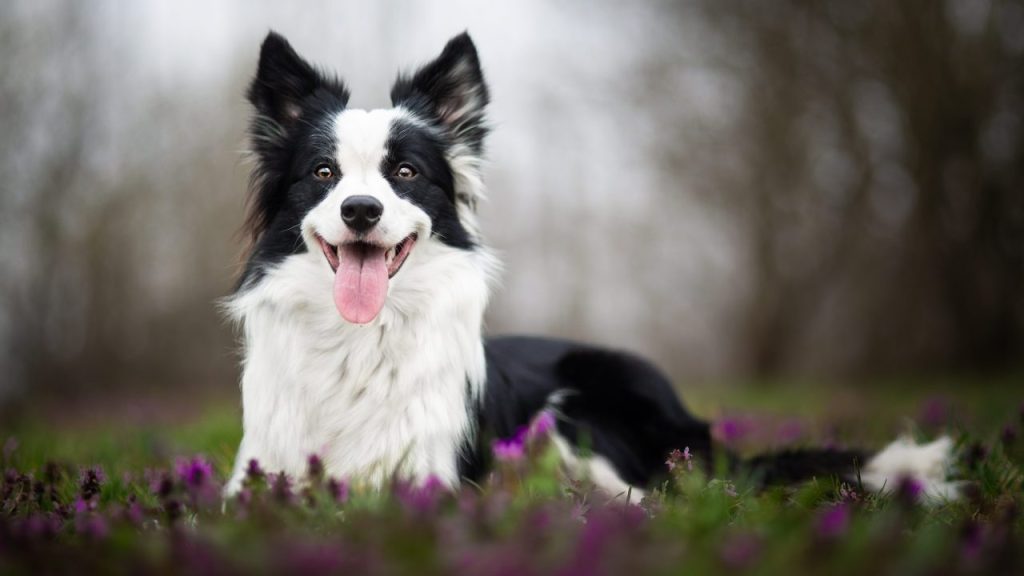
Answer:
(323, 172)
(405, 172)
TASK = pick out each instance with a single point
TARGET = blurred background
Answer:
(824, 191)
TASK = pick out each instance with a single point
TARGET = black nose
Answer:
(360, 213)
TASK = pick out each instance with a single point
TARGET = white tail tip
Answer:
(927, 464)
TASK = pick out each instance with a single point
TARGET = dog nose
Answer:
(360, 213)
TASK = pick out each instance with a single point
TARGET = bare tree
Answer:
(880, 145)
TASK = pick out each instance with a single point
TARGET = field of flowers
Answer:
(137, 506)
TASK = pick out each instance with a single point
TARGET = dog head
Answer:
(366, 189)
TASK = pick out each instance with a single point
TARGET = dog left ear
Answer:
(449, 90)
(283, 80)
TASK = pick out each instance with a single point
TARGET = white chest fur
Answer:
(371, 401)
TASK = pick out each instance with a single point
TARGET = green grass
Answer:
(118, 447)
(529, 518)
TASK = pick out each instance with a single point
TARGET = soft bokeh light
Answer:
(730, 189)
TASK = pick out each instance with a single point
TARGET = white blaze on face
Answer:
(362, 279)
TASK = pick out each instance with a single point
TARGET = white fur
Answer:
(925, 463)
(372, 401)
(362, 138)
(375, 400)
(469, 186)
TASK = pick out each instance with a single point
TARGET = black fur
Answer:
(433, 189)
(294, 103)
(291, 99)
(451, 91)
(793, 466)
(610, 404)
(617, 406)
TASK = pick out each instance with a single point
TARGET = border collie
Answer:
(363, 299)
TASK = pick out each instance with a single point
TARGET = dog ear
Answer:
(283, 80)
(449, 90)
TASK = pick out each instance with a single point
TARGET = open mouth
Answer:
(394, 257)
(361, 274)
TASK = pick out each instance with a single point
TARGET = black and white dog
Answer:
(363, 299)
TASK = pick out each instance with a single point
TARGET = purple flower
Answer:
(194, 473)
(41, 526)
(514, 448)
(730, 430)
(90, 480)
(675, 457)
(160, 483)
(594, 541)
(314, 468)
(92, 526)
(134, 513)
(909, 489)
(253, 471)
(848, 494)
(789, 432)
(338, 490)
(87, 522)
(421, 499)
(173, 509)
(244, 497)
(84, 505)
(833, 522)
(281, 488)
(510, 449)
(542, 425)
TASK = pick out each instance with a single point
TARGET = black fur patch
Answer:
(291, 99)
(451, 92)
(613, 404)
(620, 407)
(433, 189)
(294, 102)
(792, 466)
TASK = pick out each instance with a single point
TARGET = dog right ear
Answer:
(450, 90)
(283, 80)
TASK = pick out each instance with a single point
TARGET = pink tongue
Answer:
(361, 283)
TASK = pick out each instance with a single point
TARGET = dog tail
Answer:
(922, 467)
